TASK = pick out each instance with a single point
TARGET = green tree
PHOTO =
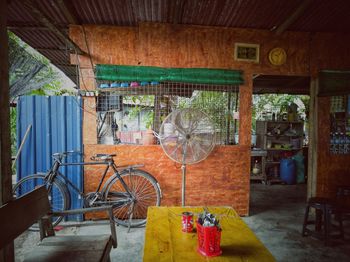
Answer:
(29, 73)
(140, 103)
(278, 103)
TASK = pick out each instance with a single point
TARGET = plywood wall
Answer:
(332, 52)
(218, 180)
(167, 45)
(329, 51)
(333, 170)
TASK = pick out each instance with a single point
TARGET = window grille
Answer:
(126, 110)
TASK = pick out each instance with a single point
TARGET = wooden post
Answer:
(245, 110)
(6, 254)
(245, 126)
(313, 129)
(5, 148)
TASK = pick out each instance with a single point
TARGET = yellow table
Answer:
(166, 242)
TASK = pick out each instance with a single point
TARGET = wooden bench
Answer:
(18, 215)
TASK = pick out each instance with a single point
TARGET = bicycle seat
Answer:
(102, 156)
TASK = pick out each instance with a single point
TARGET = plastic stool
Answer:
(324, 208)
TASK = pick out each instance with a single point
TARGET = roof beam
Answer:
(25, 26)
(47, 23)
(293, 17)
(62, 64)
(32, 28)
(66, 10)
(50, 48)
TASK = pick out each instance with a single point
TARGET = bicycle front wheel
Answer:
(58, 195)
(145, 191)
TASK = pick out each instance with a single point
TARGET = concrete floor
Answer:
(276, 218)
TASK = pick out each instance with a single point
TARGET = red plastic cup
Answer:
(208, 240)
(187, 222)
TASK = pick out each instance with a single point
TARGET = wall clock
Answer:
(277, 56)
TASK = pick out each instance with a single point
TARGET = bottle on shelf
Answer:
(256, 168)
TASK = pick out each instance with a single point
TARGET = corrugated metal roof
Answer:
(18, 13)
(319, 16)
(39, 38)
(325, 16)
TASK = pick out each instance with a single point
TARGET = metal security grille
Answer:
(126, 110)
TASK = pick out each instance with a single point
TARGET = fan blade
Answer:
(189, 138)
(173, 154)
(193, 126)
(200, 153)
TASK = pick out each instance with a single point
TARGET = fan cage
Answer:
(126, 110)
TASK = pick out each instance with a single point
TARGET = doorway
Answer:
(280, 122)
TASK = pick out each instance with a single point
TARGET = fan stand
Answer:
(188, 130)
(183, 168)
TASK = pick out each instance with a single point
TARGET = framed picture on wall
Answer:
(247, 52)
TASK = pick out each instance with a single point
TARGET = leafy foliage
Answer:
(278, 104)
(219, 107)
(30, 71)
(141, 103)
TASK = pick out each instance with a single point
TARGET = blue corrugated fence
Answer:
(56, 127)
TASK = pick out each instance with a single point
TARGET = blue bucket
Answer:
(287, 171)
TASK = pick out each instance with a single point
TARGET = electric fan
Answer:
(187, 136)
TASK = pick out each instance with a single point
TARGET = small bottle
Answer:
(256, 168)
(336, 138)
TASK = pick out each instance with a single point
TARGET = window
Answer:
(125, 111)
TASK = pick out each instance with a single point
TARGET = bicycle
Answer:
(130, 191)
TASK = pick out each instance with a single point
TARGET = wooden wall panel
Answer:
(330, 51)
(107, 45)
(166, 45)
(218, 180)
(89, 121)
(332, 170)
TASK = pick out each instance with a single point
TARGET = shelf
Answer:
(258, 153)
(283, 135)
(272, 162)
(257, 177)
(284, 122)
(281, 149)
(274, 180)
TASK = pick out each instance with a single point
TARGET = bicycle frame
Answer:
(54, 172)
(129, 190)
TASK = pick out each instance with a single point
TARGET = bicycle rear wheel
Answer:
(58, 195)
(145, 190)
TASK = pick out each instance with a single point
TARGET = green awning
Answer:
(160, 74)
